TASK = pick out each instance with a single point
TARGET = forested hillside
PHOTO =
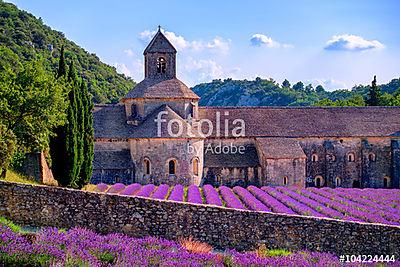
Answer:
(30, 39)
(267, 92)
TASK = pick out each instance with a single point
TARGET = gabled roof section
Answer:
(156, 89)
(159, 44)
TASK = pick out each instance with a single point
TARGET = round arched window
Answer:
(172, 167)
(285, 180)
(147, 166)
(318, 181)
(314, 157)
(161, 65)
(338, 182)
(350, 157)
(196, 166)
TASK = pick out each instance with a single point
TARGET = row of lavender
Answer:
(360, 205)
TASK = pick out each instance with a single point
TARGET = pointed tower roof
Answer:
(159, 44)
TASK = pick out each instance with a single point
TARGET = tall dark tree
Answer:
(62, 68)
(78, 110)
(88, 131)
(286, 84)
(374, 96)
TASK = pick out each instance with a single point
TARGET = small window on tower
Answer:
(161, 65)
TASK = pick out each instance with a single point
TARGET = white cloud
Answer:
(349, 42)
(205, 69)
(129, 52)
(259, 39)
(328, 84)
(122, 68)
(218, 44)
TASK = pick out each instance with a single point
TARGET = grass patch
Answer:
(90, 188)
(11, 225)
(13, 176)
(264, 252)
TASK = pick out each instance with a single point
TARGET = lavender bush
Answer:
(177, 193)
(130, 190)
(194, 195)
(81, 247)
(116, 188)
(146, 190)
(230, 199)
(252, 202)
(161, 192)
(211, 195)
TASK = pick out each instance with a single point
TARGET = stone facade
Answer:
(220, 227)
(159, 134)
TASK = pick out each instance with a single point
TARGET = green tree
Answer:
(319, 89)
(88, 154)
(62, 69)
(32, 104)
(374, 96)
(299, 86)
(7, 147)
(286, 84)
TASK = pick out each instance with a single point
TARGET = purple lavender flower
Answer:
(211, 195)
(146, 190)
(270, 201)
(101, 187)
(230, 199)
(194, 195)
(176, 193)
(115, 188)
(247, 198)
(161, 192)
(131, 190)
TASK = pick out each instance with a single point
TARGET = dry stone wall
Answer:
(220, 227)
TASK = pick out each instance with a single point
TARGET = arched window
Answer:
(196, 166)
(338, 182)
(314, 157)
(285, 180)
(350, 157)
(386, 182)
(318, 181)
(372, 157)
(172, 167)
(147, 166)
(161, 65)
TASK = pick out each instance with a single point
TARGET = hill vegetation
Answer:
(30, 39)
(267, 92)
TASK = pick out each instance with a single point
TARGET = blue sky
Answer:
(335, 43)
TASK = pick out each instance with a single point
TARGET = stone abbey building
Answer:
(159, 134)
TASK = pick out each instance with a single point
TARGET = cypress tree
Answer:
(88, 154)
(71, 146)
(78, 110)
(62, 69)
(374, 97)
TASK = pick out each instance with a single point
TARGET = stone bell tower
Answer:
(159, 58)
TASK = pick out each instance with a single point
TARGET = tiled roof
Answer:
(248, 159)
(280, 148)
(159, 88)
(120, 159)
(309, 121)
(160, 44)
(110, 122)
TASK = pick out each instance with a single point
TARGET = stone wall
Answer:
(220, 227)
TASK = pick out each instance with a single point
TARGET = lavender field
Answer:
(359, 205)
(81, 247)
